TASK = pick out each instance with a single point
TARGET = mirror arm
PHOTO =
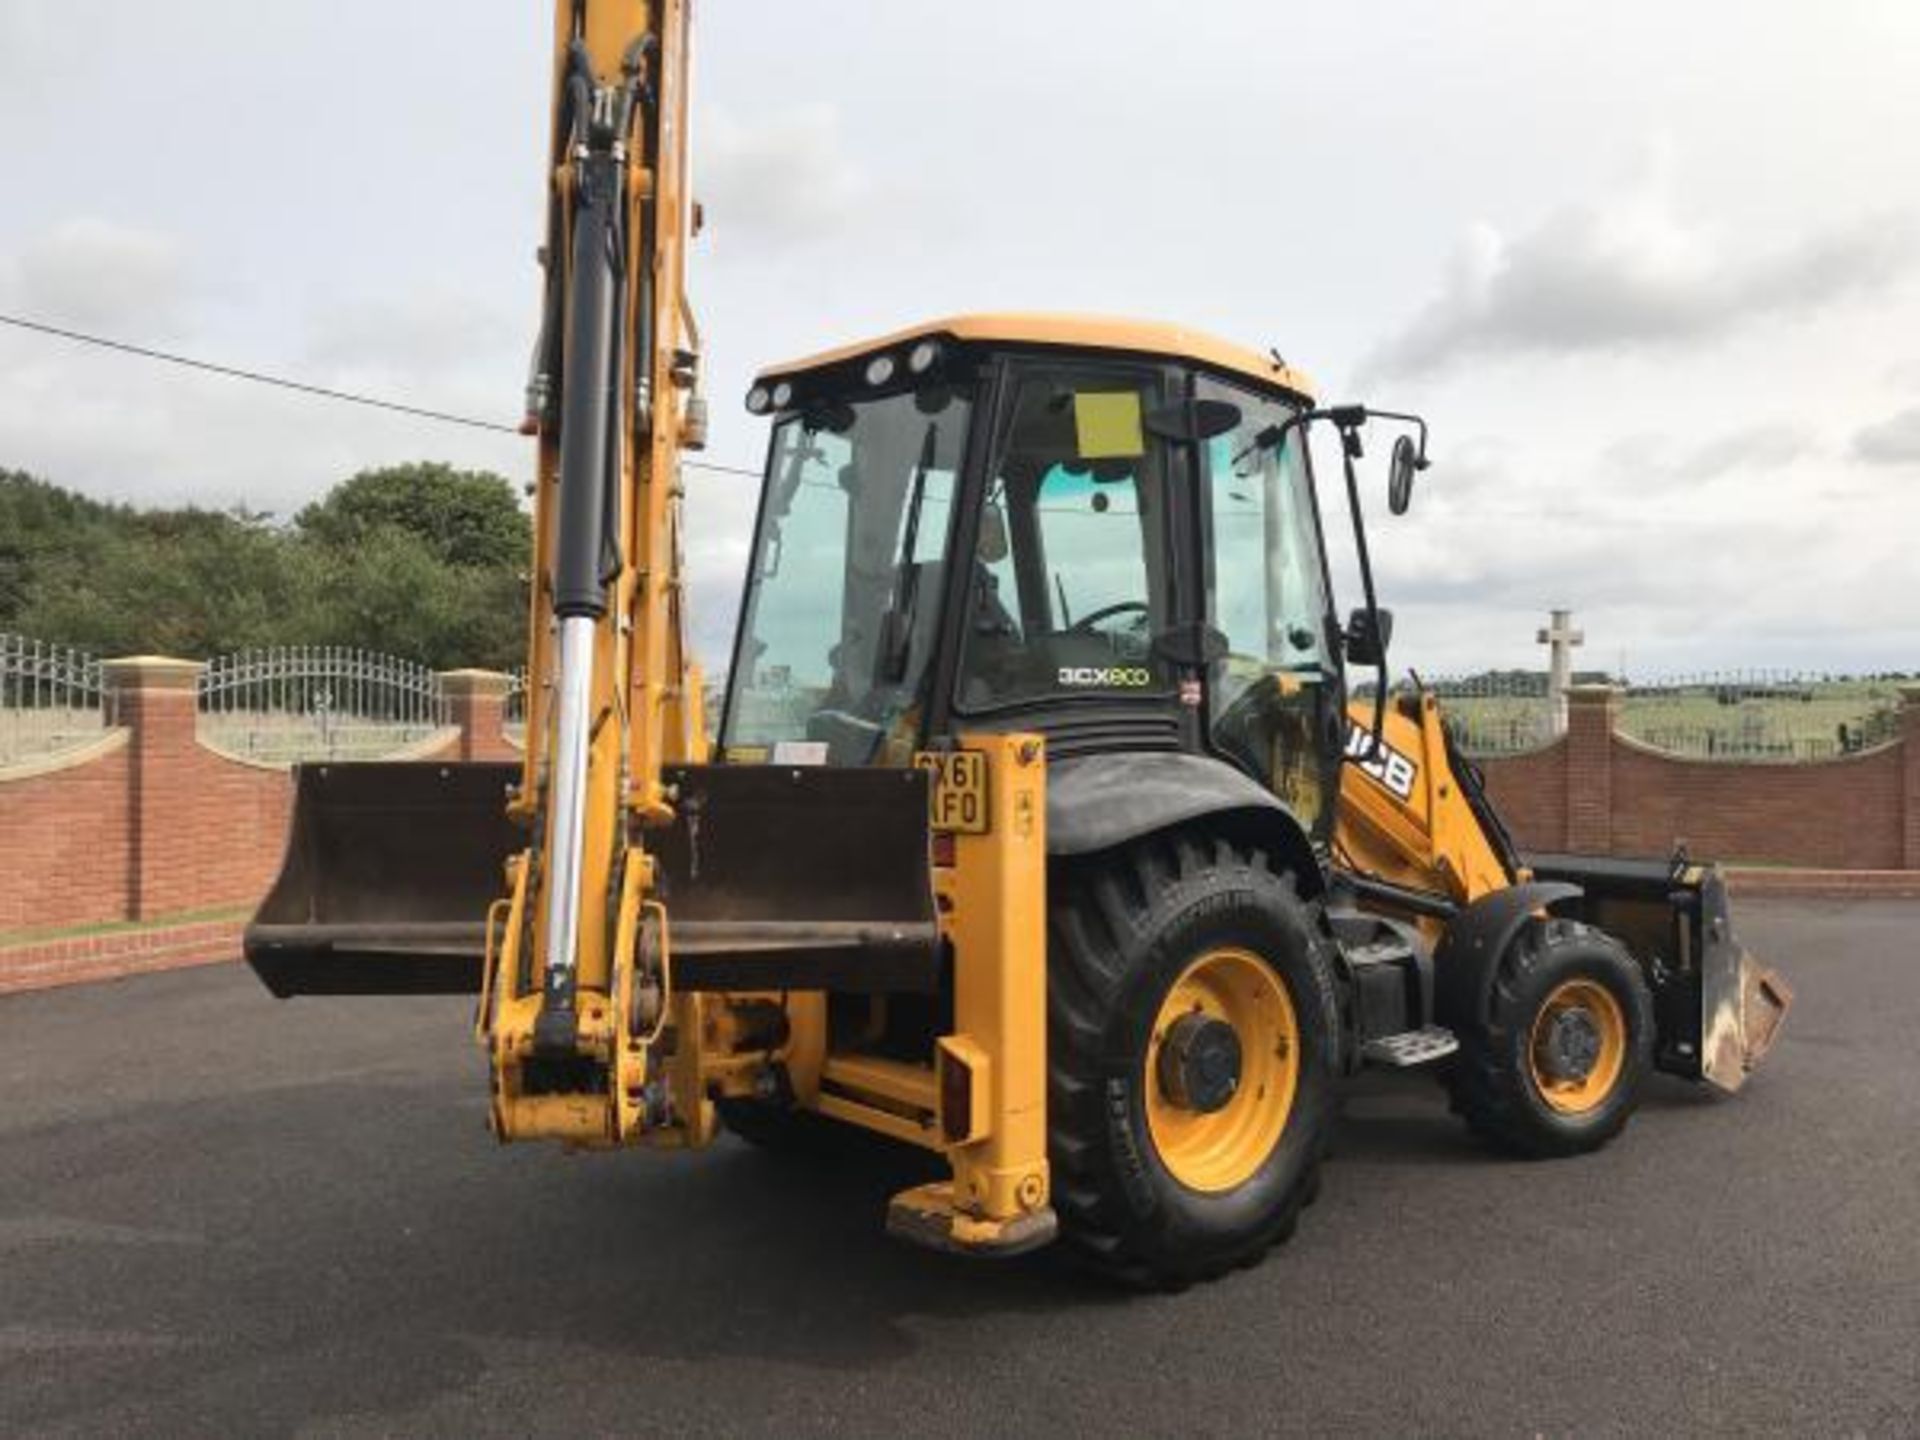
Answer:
(1373, 607)
(1420, 458)
(1348, 419)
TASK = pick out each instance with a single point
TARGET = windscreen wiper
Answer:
(896, 631)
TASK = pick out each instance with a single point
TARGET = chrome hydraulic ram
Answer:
(586, 557)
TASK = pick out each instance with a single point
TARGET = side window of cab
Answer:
(1070, 584)
(1268, 696)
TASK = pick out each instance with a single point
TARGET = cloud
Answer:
(420, 333)
(1893, 441)
(1630, 272)
(90, 272)
(1756, 447)
(784, 177)
(1765, 446)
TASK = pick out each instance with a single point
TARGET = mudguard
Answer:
(1469, 953)
(1095, 802)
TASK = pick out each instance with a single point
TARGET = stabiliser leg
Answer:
(991, 1073)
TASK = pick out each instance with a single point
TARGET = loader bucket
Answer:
(1717, 1010)
(389, 872)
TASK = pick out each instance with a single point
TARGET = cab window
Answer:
(1067, 590)
(1267, 596)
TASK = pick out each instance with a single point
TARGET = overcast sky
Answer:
(1652, 270)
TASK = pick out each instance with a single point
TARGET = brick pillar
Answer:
(477, 700)
(1593, 713)
(154, 698)
(1910, 764)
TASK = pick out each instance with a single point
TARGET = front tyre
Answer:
(1193, 1055)
(1557, 1066)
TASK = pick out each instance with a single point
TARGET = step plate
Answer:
(1410, 1048)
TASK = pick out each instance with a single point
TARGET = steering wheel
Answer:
(1106, 612)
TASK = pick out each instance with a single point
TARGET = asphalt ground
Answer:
(224, 1215)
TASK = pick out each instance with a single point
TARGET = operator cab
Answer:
(1099, 530)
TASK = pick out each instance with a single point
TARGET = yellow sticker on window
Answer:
(1107, 424)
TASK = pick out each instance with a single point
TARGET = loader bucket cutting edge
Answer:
(384, 889)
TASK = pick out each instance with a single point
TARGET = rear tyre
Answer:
(1192, 1055)
(1558, 1065)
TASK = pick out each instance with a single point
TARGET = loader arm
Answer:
(1419, 838)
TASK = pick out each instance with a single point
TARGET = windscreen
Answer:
(844, 585)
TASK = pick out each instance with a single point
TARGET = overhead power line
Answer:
(319, 392)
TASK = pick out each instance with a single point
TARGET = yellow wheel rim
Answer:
(1577, 1047)
(1209, 1143)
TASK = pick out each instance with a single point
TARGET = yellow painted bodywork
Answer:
(1403, 817)
(1076, 332)
(646, 703)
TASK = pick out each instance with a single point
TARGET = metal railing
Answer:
(298, 703)
(1775, 716)
(53, 698)
(1502, 712)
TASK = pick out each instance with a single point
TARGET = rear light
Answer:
(944, 849)
(962, 1067)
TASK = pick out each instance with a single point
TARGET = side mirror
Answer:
(1367, 637)
(1400, 472)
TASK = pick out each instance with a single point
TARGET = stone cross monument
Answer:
(1560, 637)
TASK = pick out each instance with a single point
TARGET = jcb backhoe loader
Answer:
(1037, 832)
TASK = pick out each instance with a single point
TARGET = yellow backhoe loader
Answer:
(1043, 829)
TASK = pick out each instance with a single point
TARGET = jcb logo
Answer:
(1387, 766)
(1118, 677)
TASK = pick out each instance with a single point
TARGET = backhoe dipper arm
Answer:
(612, 695)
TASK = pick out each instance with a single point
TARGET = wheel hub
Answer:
(1570, 1046)
(1200, 1063)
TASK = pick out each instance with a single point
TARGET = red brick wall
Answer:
(1530, 792)
(161, 826)
(1840, 815)
(208, 829)
(63, 846)
(481, 719)
(1596, 793)
(72, 959)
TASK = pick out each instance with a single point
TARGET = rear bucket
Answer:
(1717, 1010)
(388, 876)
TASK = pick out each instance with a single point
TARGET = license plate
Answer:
(959, 790)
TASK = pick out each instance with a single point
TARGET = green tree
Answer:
(465, 517)
(392, 592)
(421, 561)
(42, 529)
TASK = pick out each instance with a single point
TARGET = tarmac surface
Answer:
(224, 1215)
